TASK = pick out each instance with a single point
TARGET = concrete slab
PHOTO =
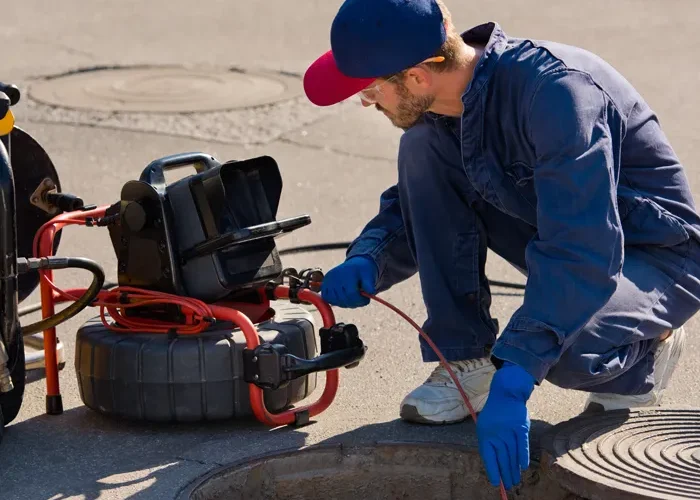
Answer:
(334, 163)
(348, 127)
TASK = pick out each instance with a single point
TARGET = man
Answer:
(544, 154)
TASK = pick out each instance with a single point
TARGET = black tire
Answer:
(11, 402)
(154, 377)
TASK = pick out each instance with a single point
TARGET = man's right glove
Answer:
(342, 285)
(503, 426)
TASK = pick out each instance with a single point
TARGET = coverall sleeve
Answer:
(575, 259)
(384, 240)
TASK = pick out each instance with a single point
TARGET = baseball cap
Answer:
(371, 39)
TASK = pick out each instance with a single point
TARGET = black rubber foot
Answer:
(54, 405)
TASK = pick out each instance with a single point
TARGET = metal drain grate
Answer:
(156, 89)
(636, 454)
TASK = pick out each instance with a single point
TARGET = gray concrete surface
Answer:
(335, 163)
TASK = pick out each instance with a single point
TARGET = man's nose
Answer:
(365, 103)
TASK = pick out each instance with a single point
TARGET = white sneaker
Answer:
(438, 400)
(665, 360)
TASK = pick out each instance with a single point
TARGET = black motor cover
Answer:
(206, 235)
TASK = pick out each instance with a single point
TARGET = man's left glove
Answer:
(503, 426)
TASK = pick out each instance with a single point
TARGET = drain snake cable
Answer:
(407, 318)
(443, 361)
(100, 284)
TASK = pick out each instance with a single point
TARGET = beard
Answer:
(410, 110)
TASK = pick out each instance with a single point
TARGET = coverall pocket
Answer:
(465, 255)
(520, 173)
(648, 223)
(524, 324)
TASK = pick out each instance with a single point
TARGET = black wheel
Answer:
(11, 402)
(31, 165)
(156, 377)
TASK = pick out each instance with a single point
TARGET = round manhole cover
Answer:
(164, 89)
(638, 454)
(373, 472)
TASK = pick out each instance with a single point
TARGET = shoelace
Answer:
(441, 375)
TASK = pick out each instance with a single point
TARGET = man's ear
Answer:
(418, 79)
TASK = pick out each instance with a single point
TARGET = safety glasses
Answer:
(373, 94)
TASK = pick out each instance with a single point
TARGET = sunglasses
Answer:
(373, 94)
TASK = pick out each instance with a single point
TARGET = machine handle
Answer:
(153, 173)
(270, 366)
(11, 91)
(344, 358)
(246, 235)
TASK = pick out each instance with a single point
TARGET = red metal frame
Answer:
(43, 245)
(257, 401)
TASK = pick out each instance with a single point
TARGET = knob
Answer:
(134, 216)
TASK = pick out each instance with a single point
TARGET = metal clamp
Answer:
(39, 197)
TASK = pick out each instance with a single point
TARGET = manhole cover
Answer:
(638, 454)
(373, 472)
(164, 89)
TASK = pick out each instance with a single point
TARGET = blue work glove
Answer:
(503, 426)
(342, 285)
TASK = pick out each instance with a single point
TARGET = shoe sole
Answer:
(410, 413)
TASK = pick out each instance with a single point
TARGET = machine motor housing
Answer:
(204, 236)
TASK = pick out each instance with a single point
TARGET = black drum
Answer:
(31, 166)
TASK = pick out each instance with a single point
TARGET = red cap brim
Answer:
(325, 85)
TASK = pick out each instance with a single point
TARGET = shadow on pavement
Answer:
(463, 433)
(81, 454)
(106, 454)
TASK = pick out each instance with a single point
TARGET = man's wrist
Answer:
(514, 380)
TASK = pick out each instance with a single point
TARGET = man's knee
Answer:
(427, 155)
(576, 370)
(584, 366)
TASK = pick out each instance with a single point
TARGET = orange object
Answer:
(252, 341)
(196, 310)
(43, 247)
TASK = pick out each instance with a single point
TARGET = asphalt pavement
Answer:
(334, 162)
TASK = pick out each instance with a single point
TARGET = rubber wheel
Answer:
(157, 377)
(11, 402)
